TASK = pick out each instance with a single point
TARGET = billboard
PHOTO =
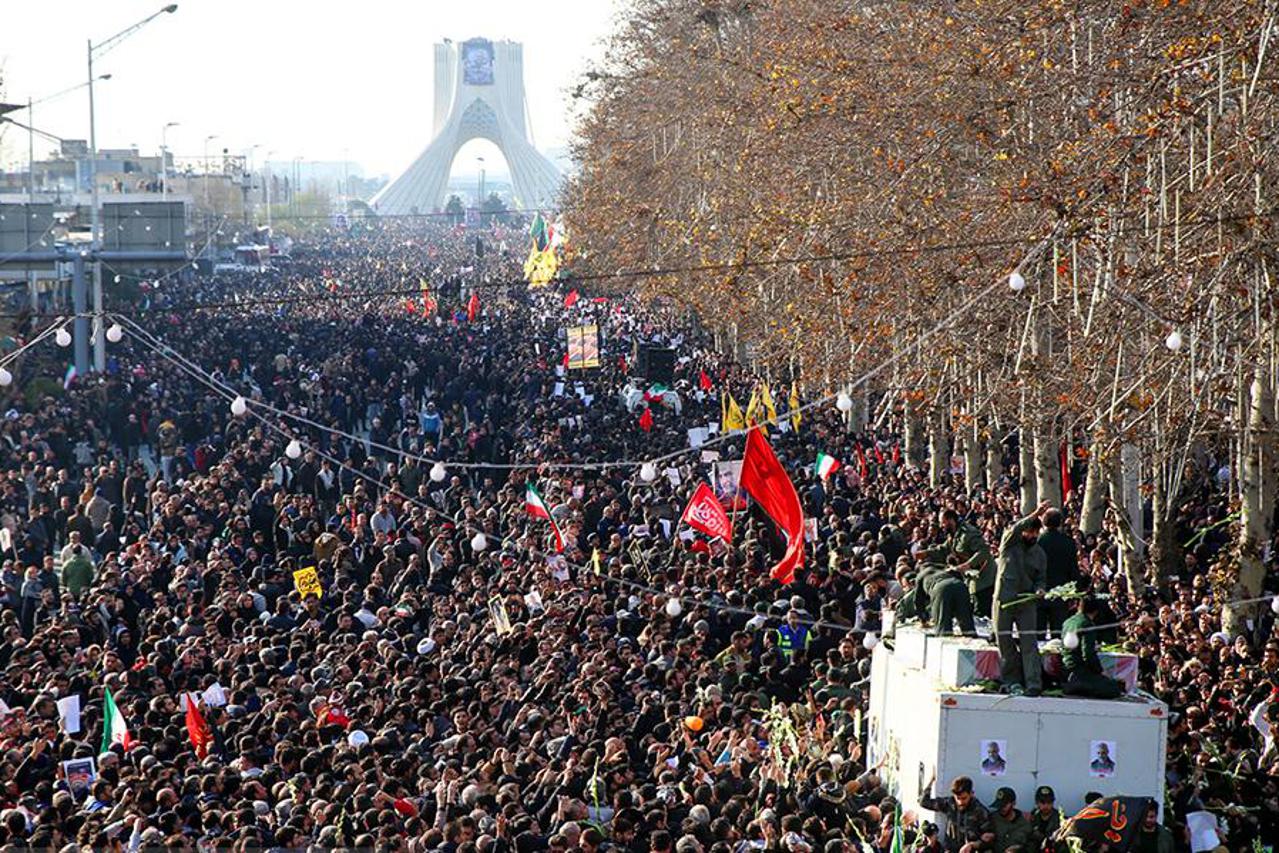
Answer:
(477, 62)
(23, 228)
(583, 347)
(158, 226)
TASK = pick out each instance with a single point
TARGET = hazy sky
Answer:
(318, 80)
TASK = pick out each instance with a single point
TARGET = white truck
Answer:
(921, 723)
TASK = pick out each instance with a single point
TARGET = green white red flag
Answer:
(114, 728)
(826, 465)
(537, 507)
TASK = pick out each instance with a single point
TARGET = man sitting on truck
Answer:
(1045, 818)
(968, 825)
(1084, 673)
(1012, 828)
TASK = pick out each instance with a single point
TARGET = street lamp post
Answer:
(101, 48)
(266, 179)
(164, 158)
(207, 140)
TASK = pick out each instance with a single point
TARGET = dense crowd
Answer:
(153, 537)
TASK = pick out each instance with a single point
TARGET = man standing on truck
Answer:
(1022, 570)
(968, 824)
(975, 562)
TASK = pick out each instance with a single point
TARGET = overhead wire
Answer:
(657, 272)
(230, 393)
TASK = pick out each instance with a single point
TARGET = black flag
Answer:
(1111, 820)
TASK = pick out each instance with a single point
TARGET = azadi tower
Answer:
(479, 93)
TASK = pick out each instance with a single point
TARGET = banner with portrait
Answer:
(583, 347)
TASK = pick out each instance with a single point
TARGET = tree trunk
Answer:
(915, 448)
(1094, 504)
(974, 476)
(994, 458)
(1165, 551)
(1047, 465)
(1026, 471)
(938, 447)
(1129, 556)
(1256, 479)
(859, 415)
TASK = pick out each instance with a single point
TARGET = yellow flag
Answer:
(307, 582)
(733, 418)
(752, 407)
(541, 267)
(795, 417)
(766, 397)
(595, 561)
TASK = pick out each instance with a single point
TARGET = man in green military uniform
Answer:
(1012, 828)
(1045, 819)
(948, 601)
(1022, 571)
(1084, 673)
(975, 562)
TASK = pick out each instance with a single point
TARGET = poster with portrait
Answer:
(477, 62)
(726, 479)
(583, 347)
(1102, 756)
(994, 757)
(79, 773)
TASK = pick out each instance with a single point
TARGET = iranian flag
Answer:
(537, 508)
(114, 729)
(654, 393)
(826, 465)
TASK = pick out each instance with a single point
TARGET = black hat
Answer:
(1004, 796)
(1045, 794)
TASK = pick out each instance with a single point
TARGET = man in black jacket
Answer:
(969, 827)
(1062, 567)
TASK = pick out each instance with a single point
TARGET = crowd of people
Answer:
(459, 684)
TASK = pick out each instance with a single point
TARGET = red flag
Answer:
(571, 299)
(705, 381)
(410, 306)
(197, 728)
(621, 363)
(1066, 486)
(764, 479)
(566, 359)
(879, 455)
(646, 420)
(472, 307)
(705, 513)
(897, 454)
(862, 468)
(600, 300)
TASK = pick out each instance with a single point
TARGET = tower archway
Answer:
(479, 94)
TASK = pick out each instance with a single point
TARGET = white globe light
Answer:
(1070, 640)
(870, 640)
(479, 542)
(293, 449)
(1016, 282)
(648, 472)
(438, 473)
(239, 406)
(114, 333)
(844, 402)
(1274, 602)
(62, 338)
(6, 378)
(674, 608)
(1173, 341)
